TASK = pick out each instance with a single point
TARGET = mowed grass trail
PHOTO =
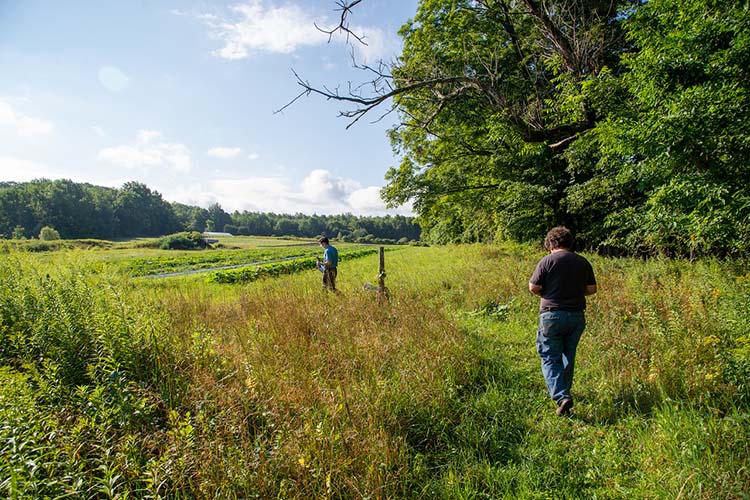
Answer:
(276, 389)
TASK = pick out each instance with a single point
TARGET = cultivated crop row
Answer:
(212, 258)
(248, 274)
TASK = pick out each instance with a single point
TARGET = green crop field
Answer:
(117, 386)
(142, 257)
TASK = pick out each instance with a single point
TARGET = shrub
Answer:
(42, 245)
(48, 234)
(79, 377)
(191, 240)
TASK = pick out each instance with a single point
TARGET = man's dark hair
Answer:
(559, 237)
(323, 239)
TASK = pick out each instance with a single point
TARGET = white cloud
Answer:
(319, 192)
(191, 194)
(321, 187)
(366, 199)
(253, 156)
(21, 124)
(147, 154)
(21, 170)
(145, 136)
(255, 26)
(224, 153)
(380, 44)
(265, 194)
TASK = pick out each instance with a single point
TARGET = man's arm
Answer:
(535, 289)
(590, 290)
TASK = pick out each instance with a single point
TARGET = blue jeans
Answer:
(556, 341)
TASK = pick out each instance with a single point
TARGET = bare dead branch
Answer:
(381, 117)
(365, 104)
(345, 7)
(555, 35)
(568, 35)
(290, 103)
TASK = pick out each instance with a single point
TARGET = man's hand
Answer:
(590, 290)
(535, 289)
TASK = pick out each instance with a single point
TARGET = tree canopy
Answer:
(625, 120)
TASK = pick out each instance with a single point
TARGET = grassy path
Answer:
(638, 429)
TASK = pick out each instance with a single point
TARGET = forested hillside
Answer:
(85, 211)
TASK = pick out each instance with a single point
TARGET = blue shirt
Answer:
(331, 255)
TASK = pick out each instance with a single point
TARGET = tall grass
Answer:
(80, 380)
(321, 388)
(277, 389)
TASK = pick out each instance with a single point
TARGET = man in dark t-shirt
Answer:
(562, 279)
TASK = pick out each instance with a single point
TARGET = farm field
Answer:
(116, 386)
(244, 252)
(138, 257)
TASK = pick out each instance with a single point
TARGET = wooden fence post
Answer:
(382, 290)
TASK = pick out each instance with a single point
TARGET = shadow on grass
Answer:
(482, 420)
(609, 409)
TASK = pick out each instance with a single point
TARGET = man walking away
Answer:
(562, 279)
(329, 265)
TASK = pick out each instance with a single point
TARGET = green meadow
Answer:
(116, 385)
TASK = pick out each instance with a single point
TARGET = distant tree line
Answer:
(345, 227)
(80, 210)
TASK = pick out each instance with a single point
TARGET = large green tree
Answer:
(625, 120)
(490, 95)
(143, 212)
(669, 171)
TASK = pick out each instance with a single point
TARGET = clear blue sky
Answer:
(180, 95)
